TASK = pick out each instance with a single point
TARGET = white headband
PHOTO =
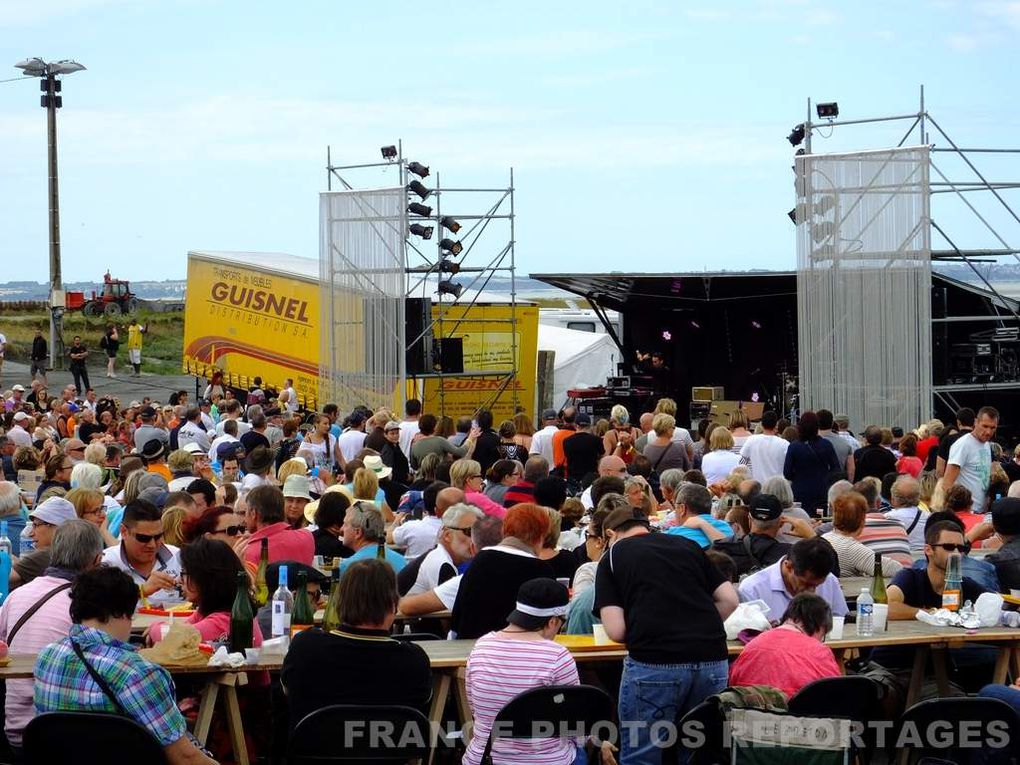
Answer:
(532, 611)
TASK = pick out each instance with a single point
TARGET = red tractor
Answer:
(115, 299)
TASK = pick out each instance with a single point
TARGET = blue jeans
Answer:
(661, 693)
(1005, 693)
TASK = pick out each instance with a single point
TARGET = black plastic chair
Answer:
(576, 708)
(350, 733)
(853, 697)
(88, 738)
(954, 741)
(702, 723)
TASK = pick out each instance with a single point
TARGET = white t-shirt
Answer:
(242, 427)
(408, 430)
(226, 438)
(351, 442)
(541, 443)
(907, 516)
(447, 591)
(418, 536)
(718, 464)
(428, 573)
(680, 436)
(975, 462)
(292, 402)
(765, 454)
(191, 433)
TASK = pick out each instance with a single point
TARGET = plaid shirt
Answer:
(145, 690)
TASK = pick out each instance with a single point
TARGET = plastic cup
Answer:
(601, 638)
(880, 616)
(564, 580)
(836, 633)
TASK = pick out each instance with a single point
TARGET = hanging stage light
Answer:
(796, 135)
(418, 188)
(447, 287)
(450, 246)
(418, 209)
(792, 215)
(389, 152)
(450, 224)
(827, 111)
(418, 169)
(447, 266)
(425, 232)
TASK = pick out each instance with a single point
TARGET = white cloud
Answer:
(1004, 10)
(964, 43)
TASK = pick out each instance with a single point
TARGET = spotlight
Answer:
(418, 188)
(827, 111)
(450, 246)
(418, 209)
(667, 335)
(446, 287)
(425, 232)
(389, 152)
(418, 169)
(695, 324)
(447, 266)
(450, 224)
(796, 135)
(756, 324)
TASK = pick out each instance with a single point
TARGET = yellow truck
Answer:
(249, 314)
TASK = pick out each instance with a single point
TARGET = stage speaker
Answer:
(417, 316)
(449, 355)
(707, 393)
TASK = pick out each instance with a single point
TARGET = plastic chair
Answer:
(853, 697)
(348, 733)
(954, 741)
(577, 708)
(86, 738)
(703, 721)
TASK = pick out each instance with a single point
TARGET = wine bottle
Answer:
(878, 582)
(261, 589)
(282, 608)
(242, 617)
(303, 616)
(331, 619)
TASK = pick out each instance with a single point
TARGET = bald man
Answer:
(611, 466)
(645, 423)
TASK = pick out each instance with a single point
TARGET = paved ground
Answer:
(123, 387)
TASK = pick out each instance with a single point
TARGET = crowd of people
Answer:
(507, 532)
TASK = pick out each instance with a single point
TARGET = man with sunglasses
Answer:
(154, 567)
(913, 590)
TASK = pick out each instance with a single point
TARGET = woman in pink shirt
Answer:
(793, 654)
(466, 475)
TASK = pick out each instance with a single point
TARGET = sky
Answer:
(643, 136)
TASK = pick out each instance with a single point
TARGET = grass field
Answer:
(161, 350)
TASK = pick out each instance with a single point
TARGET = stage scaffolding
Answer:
(865, 231)
(401, 266)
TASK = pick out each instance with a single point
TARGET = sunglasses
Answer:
(38, 524)
(950, 547)
(465, 530)
(146, 538)
(233, 531)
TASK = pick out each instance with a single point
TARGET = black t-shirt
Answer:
(88, 429)
(488, 591)
(873, 460)
(918, 592)
(565, 565)
(251, 439)
(486, 450)
(664, 584)
(947, 441)
(328, 545)
(765, 550)
(583, 452)
(353, 667)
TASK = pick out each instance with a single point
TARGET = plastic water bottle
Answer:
(1010, 619)
(865, 613)
(283, 606)
(26, 542)
(5, 561)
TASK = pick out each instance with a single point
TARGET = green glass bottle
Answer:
(261, 588)
(303, 615)
(878, 582)
(242, 617)
(331, 619)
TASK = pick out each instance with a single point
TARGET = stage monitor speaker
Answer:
(707, 393)
(417, 316)
(723, 411)
(449, 355)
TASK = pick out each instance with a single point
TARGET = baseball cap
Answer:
(228, 451)
(622, 516)
(21, 416)
(193, 448)
(147, 411)
(1006, 515)
(584, 420)
(550, 414)
(19, 388)
(766, 507)
(134, 404)
(391, 425)
(54, 510)
(537, 600)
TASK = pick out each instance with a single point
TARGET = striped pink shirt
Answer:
(500, 668)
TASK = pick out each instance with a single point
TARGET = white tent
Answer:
(583, 359)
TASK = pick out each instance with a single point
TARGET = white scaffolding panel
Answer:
(864, 285)
(362, 273)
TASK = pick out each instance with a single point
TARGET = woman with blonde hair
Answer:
(564, 562)
(663, 450)
(466, 475)
(89, 505)
(619, 439)
(739, 431)
(719, 460)
(173, 521)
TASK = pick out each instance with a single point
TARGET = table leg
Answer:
(917, 674)
(840, 656)
(938, 661)
(236, 726)
(205, 710)
(440, 693)
(1002, 662)
(463, 708)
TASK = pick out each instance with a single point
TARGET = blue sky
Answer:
(644, 136)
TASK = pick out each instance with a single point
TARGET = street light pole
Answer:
(51, 101)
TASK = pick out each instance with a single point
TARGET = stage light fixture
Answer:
(695, 324)
(419, 188)
(419, 209)
(389, 152)
(451, 246)
(792, 215)
(827, 111)
(667, 335)
(450, 224)
(418, 169)
(756, 324)
(796, 135)
(446, 287)
(425, 232)
(448, 266)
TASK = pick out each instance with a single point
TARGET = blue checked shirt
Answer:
(145, 690)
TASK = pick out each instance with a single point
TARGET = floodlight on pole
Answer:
(418, 188)
(446, 287)
(450, 224)
(389, 152)
(447, 266)
(48, 71)
(425, 232)
(451, 246)
(422, 171)
(796, 135)
(827, 111)
(419, 209)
